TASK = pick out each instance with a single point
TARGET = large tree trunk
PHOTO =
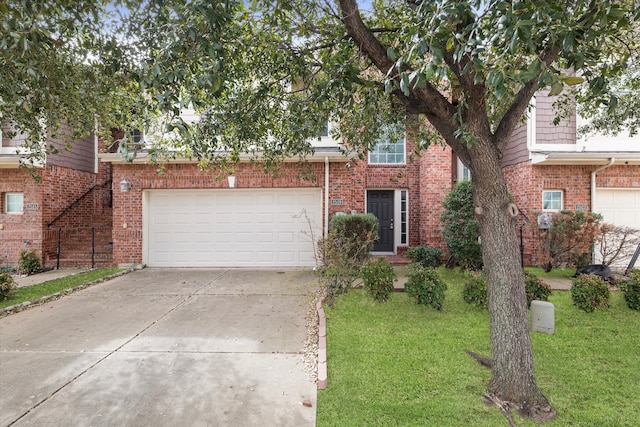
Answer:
(513, 379)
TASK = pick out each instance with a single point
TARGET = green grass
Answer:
(34, 292)
(400, 364)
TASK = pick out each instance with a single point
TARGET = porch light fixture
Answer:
(232, 181)
(125, 185)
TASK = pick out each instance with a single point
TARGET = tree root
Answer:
(484, 361)
(541, 413)
(538, 413)
(505, 406)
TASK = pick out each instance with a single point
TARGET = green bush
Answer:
(631, 290)
(425, 286)
(426, 256)
(343, 251)
(570, 239)
(7, 286)
(589, 292)
(460, 230)
(357, 233)
(29, 262)
(536, 289)
(378, 277)
(475, 290)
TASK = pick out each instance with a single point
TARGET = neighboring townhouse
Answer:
(549, 168)
(60, 208)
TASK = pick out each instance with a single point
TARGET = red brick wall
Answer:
(619, 176)
(348, 182)
(20, 231)
(435, 183)
(64, 196)
(527, 183)
(58, 188)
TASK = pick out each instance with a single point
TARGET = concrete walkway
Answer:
(35, 279)
(558, 283)
(164, 347)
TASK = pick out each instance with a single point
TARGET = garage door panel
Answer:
(263, 227)
(620, 207)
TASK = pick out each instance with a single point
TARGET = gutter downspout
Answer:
(612, 160)
(326, 196)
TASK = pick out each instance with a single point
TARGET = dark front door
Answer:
(380, 203)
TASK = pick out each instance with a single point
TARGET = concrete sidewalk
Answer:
(46, 276)
(164, 347)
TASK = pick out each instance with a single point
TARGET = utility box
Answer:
(542, 317)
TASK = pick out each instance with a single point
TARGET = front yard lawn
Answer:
(400, 364)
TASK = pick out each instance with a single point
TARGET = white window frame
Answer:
(381, 149)
(403, 217)
(464, 174)
(545, 192)
(8, 205)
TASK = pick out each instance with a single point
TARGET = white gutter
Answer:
(326, 196)
(612, 160)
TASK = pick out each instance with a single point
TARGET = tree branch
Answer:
(428, 101)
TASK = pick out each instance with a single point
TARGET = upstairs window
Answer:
(325, 130)
(13, 203)
(552, 200)
(390, 149)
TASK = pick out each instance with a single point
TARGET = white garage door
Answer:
(231, 228)
(620, 207)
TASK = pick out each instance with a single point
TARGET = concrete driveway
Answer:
(163, 347)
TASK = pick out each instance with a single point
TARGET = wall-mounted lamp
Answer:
(232, 181)
(125, 185)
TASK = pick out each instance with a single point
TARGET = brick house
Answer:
(185, 217)
(550, 168)
(53, 207)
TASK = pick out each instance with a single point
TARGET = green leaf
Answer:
(573, 80)
(391, 54)
(450, 43)
(556, 88)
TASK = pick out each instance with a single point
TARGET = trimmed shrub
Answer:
(460, 230)
(7, 286)
(358, 232)
(631, 290)
(29, 263)
(475, 290)
(425, 286)
(425, 256)
(589, 292)
(535, 288)
(378, 276)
